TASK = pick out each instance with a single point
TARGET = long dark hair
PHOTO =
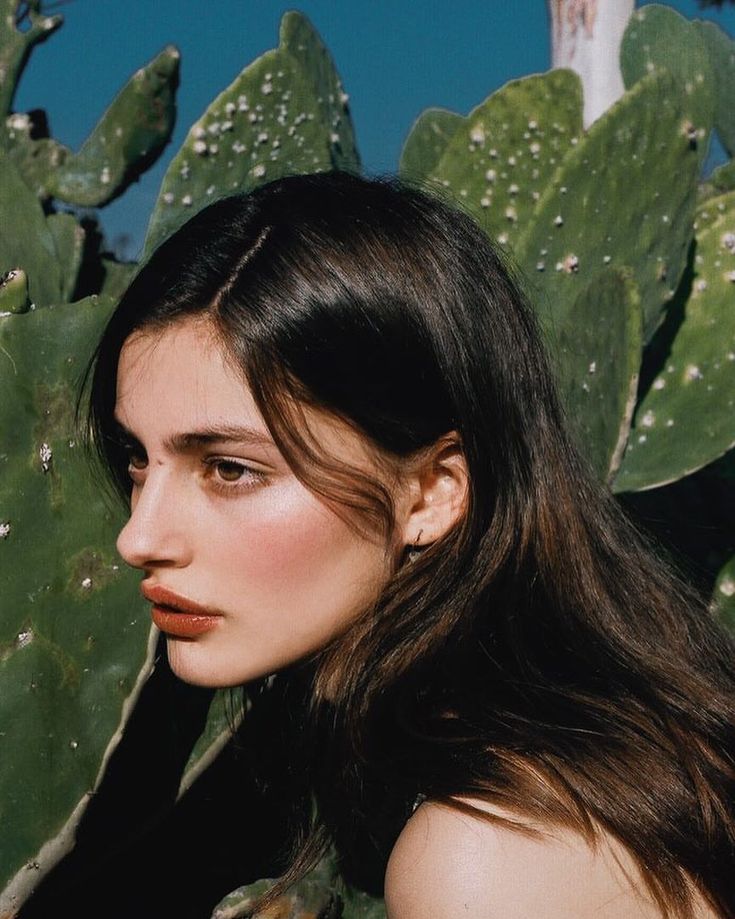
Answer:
(538, 656)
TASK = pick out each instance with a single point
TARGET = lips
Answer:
(177, 616)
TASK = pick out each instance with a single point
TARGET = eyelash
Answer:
(249, 477)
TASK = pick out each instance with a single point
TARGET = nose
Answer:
(155, 534)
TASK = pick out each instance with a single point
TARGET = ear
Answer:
(436, 492)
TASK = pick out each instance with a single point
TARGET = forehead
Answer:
(181, 379)
(182, 367)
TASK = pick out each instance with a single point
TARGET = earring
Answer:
(414, 551)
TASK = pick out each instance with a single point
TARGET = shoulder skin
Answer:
(446, 864)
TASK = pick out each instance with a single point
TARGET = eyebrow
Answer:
(185, 441)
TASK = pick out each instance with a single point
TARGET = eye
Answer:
(230, 475)
(137, 460)
(230, 471)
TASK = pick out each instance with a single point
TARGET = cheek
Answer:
(289, 545)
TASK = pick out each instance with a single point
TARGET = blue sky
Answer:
(396, 58)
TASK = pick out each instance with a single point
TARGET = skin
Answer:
(226, 523)
(447, 864)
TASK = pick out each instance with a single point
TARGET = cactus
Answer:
(74, 629)
(598, 356)
(68, 238)
(126, 140)
(659, 38)
(612, 201)
(285, 113)
(16, 45)
(499, 160)
(14, 294)
(321, 893)
(687, 417)
(427, 141)
(721, 52)
(26, 240)
(723, 598)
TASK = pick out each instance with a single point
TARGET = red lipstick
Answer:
(175, 615)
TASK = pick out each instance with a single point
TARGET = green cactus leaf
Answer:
(718, 182)
(117, 277)
(309, 898)
(299, 38)
(657, 38)
(14, 295)
(69, 240)
(223, 718)
(612, 201)
(16, 45)
(687, 418)
(359, 905)
(721, 49)
(26, 240)
(598, 355)
(723, 596)
(427, 141)
(128, 137)
(285, 113)
(74, 631)
(502, 157)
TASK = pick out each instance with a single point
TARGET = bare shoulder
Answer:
(447, 864)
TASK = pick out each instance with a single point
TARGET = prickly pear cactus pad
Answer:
(129, 135)
(427, 141)
(285, 113)
(69, 240)
(598, 356)
(26, 240)
(500, 160)
(723, 598)
(73, 627)
(16, 45)
(721, 50)
(623, 196)
(656, 38)
(687, 418)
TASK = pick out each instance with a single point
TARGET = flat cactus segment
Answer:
(301, 40)
(427, 141)
(500, 160)
(723, 596)
(69, 240)
(25, 238)
(130, 134)
(613, 201)
(657, 38)
(223, 718)
(14, 295)
(16, 46)
(687, 418)
(117, 277)
(313, 896)
(283, 114)
(719, 181)
(721, 50)
(598, 355)
(73, 628)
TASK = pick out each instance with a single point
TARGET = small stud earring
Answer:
(414, 551)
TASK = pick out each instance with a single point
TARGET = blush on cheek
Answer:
(288, 543)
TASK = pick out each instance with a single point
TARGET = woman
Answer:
(346, 461)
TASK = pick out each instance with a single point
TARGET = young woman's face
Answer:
(248, 571)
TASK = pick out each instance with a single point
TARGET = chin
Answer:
(198, 667)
